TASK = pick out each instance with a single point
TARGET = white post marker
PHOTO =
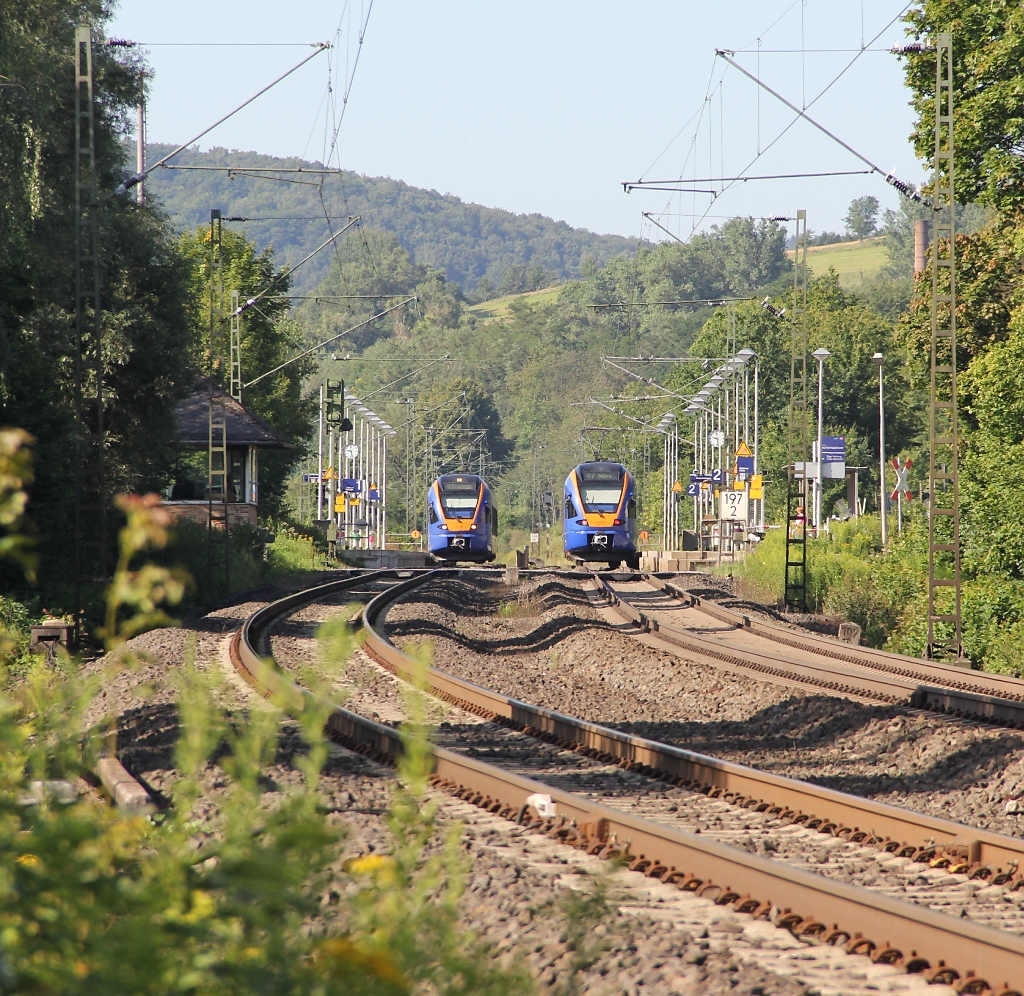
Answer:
(879, 358)
(821, 355)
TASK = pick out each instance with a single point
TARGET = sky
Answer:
(548, 106)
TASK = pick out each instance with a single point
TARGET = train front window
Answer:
(460, 495)
(459, 507)
(600, 499)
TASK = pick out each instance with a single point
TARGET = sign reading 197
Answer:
(732, 505)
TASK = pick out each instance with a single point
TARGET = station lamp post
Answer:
(821, 355)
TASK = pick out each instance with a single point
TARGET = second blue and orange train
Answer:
(599, 521)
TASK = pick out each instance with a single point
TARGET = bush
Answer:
(846, 576)
(188, 550)
(96, 900)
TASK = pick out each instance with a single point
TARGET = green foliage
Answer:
(862, 217)
(142, 294)
(296, 549)
(142, 590)
(846, 576)
(269, 337)
(988, 88)
(467, 243)
(187, 550)
(230, 901)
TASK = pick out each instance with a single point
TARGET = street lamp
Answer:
(879, 358)
(821, 355)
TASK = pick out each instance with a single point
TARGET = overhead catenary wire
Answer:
(700, 217)
(316, 171)
(412, 373)
(139, 177)
(327, 342)
(123, 41)
(630, 185)
(900, 185)
(703, 301)
(275, 280)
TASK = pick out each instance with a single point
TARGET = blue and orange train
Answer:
(600, 515)
(462, 522)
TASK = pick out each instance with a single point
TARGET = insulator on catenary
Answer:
(912, 48)
(771, 309)
(904, 188)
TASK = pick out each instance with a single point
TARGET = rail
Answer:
(1000, 686)
(943, 948)
(922, 684)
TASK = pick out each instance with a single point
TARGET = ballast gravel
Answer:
(681, 918)
(547, 642)
(651, 939)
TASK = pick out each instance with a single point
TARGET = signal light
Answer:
(334, 407)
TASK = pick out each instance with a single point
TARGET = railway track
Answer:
(891, 930)
(741, 643)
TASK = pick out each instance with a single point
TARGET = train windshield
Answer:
(459, 495)
(601, 486)
(597, 499)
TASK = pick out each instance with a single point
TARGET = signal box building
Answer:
(247, 435)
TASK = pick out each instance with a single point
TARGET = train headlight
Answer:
(472, 525)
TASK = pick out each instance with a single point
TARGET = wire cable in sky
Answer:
(798, 117)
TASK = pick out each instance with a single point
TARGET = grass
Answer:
(854, 262)
(498, 307)
(521, 608)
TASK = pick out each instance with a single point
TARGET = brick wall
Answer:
(199, 511)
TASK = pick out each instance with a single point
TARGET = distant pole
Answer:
(821, 355)
(879, 358)
(320, 460)
(140, 151)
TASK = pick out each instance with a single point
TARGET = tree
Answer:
(988, 90)
(147, 339)
(371, 262)
(268, 337)
(862, 217)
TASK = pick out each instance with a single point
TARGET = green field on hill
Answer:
(855, 262)
(498, 307)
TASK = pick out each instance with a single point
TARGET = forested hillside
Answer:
(469, 243)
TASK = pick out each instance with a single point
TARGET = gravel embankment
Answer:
(656, 939)
(560, 653)
(519, 884)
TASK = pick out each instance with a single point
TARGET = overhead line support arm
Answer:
(139, 177)
(902, 187)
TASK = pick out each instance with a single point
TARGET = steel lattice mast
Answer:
(796, 497)
(945, 633)
(217, 480)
